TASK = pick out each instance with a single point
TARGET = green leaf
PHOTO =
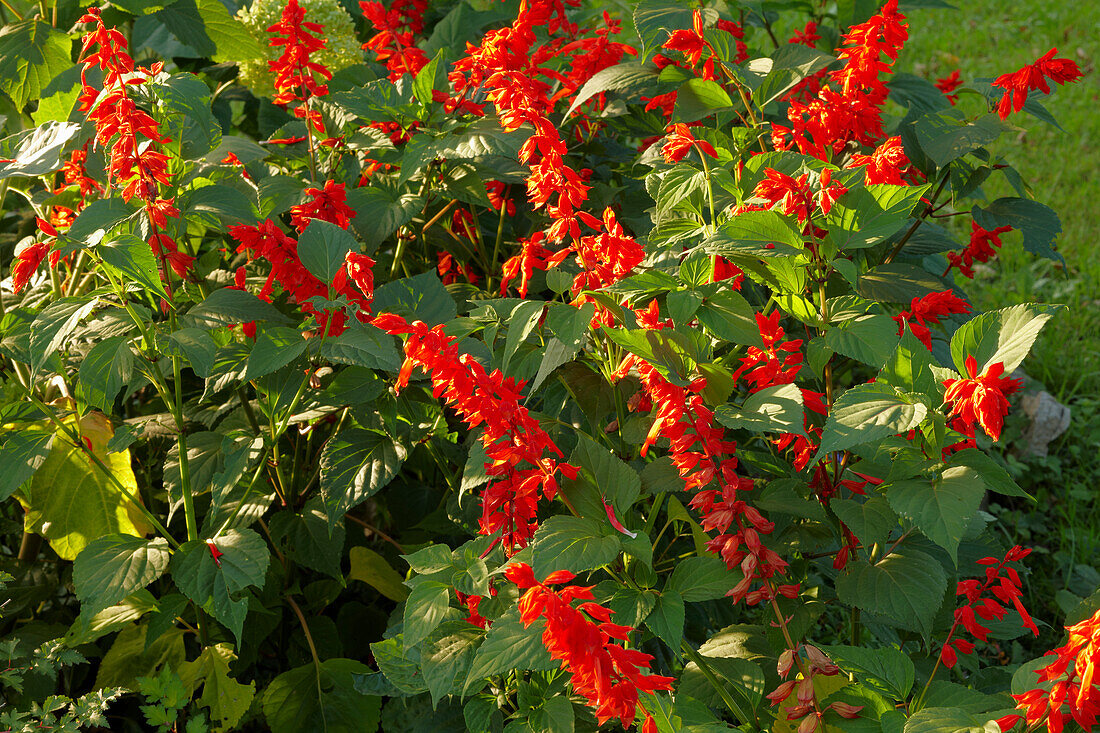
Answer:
(508, 646)
(381, 211)
(616, 482)
(355, 465)
(306, 538)
(666, 620)
(134, 259)
(790, 64)
(1039, 223)
(54, 325)
(69, 501)
(99, 218)
(430, 559)
(702, 579)
(277, 194)
(755, 234)
(521, 323)
(898, 282)
(777, 409)
(105, 371)
(673, 353)
(865, 216)
(943, 508)
(399, 663)
(653, 20)
(631, 77)
(323, 247)
(870, 521)
(870, 339)
(219, 587)
(322, 697)
(425, 609)
(699, 98)
(227, 699)
(575, 544)
(22, 454)
(866, 413)
(889, 671)
(554, 715)
(185, 106)
(944, 139)
(1004, 335)
(906, 587)
(219, 205)
(446, 657)
(111, 568)
(679, 184)
(949, 720)
(992, 474)
(207, 27)
(275, 347)
(431, 77)
(130, 657)
(232, 307)
(32, 53)
(371, 568)
(87, 629)
(727, 315)
(36, 152)
(910, 368)
(420, 298)
(363, 345)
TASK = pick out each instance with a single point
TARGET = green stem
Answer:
(710, 190)
(920, 219)
(716, 683)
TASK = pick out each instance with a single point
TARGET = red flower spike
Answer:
(1033, 77)
(519, 451)
(609, 677)
(1073, 671)
(981, 398)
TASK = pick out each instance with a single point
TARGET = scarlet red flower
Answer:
(396, 27)
(807, 36)
(980, 249)
(609, 676)
(948, 84)
(929, 309)
(790, 195)
(1005, 588)
(328, 204)
(515, 443)
(268, 242)
(1073, 671)
(296, 76)
(887, 164)
(1033, 77)
(981, 398)
(27, 260)
(692, 42)
(679, 143)
(767, 367)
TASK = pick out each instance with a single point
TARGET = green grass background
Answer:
(986, 38)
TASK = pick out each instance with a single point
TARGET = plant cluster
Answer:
(550, 371)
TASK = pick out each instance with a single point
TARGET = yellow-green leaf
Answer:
(71, 502)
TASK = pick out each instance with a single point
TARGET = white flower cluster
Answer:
(342, 47)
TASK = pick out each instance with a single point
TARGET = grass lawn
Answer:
(986, 38)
